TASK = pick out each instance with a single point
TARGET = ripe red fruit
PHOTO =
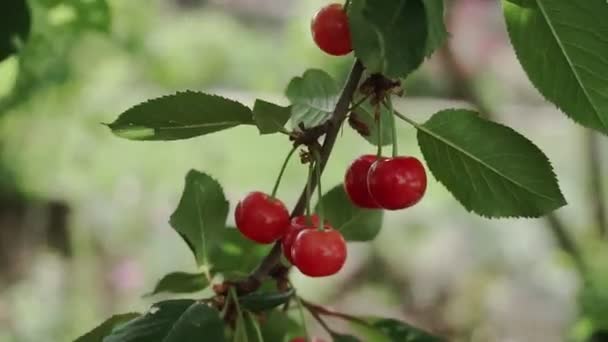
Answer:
(319, 253)
(397, 183)
(355, 182)
(296, 225)
(261, 218)
(330, 30)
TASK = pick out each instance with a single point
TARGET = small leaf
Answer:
(437, 33)
(355, 224)
(15, 26)
(262, 301)
(491, 169)
(201, 214)
(314, 97)
(181, 282)
(269, 117)
(181, 116)
(231, 252)
(279, 327)
(389, 37)
(562, 45)
(398, 331)
(105, 328)
(181, 320)
(364, 116)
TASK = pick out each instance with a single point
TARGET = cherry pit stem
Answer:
(393, 126)
(283, 167)
(254, 280)
(320, 210)
(378, 117)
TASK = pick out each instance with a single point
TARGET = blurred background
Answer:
(84, 215)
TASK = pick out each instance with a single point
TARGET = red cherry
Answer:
(319, 253)
(261, 218)
(296, 225)
(330, 30)
(355, 182)
(397, 183)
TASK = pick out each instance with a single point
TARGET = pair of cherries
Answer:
(374, 182)
(316, 251)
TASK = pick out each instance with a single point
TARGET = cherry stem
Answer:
(256, 326)
(302, 317)
(309, 192)
(394, 127)
(320, 211)
(378, 118)
(283, 167)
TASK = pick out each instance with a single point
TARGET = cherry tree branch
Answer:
(272, 260)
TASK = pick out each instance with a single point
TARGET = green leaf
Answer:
(181, 282)
(201, 215)
(252, 328)
(181, 116)
(437, 33)
(262, 301)
(562, 45)
(181, 320)
(345, 338)
(355, 224)
(15, 25)
(232, 252)
(389, 37)
(105, 328)
(398, 331)
(363, 121)
(491, 169)
(93, 14)
(269, 117)
(279, 327)
(314, 97)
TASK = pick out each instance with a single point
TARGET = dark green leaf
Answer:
(181, 282)
(398, 331)
(262, 301)
(356, 224)
(15, 25)
(345, 338)
(562, 45)
(363, 121)
(105, 328)
(231, 252)
(389, 37)
(491, 169)
(269, 117)
(437, 33)
(279, 327)
(181, 320)
(201, 215)
(180, 116)
(314, 97)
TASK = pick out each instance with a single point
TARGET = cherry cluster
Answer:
(371, 182)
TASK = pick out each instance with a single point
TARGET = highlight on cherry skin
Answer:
(331, 31)
(397, 183)
(296, 225)
(261, 218)
(319, 253)
(355, 182)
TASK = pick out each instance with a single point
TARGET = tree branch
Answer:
(596, 183)
(254, 280)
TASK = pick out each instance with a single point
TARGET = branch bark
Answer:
(273, 258)
(596, 183)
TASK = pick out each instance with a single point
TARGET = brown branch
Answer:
(252, 283)
(597, 184)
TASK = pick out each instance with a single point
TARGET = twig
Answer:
(596, 183)
(314, 308)
(252, 283)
